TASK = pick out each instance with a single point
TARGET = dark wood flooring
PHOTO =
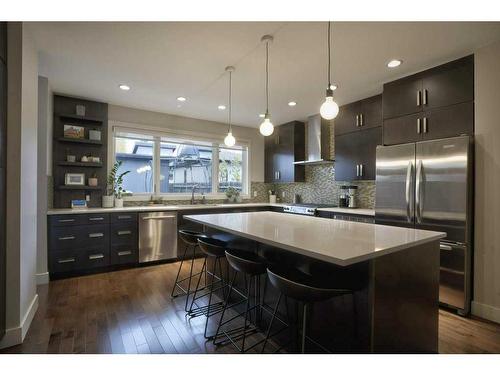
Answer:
(131, 311)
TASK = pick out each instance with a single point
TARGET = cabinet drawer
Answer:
(96, 257)
(65, 261)
(95, 235)
(96, 219)
(124, 233)
(62, 238)
(65, 220)
(124, 254)
(120, 217)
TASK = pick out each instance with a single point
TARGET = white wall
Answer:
(22, 300)
(486, 299)
(164, 120)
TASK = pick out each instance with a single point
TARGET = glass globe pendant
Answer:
(229, 140)
(329, 109)
(266, 128)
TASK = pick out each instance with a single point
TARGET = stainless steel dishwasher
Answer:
(157, 236)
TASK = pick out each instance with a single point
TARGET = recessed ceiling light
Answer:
(181, 98)
(292, 104)
(262, 115)
(394, 63)
(124, 87)
(333, 87)
(221, 107)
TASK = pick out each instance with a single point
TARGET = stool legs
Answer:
(268, 333)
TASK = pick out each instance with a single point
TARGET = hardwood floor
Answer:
(131, 311)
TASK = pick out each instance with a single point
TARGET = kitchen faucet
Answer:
(193, 188)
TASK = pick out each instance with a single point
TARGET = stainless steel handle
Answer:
(67, 260)
(419, 96)
(361, 119)
(66, 220)
(67, 238)
(277, 140)
(357, 170)
(124, 232)
(442, 246)
(418, 192)
(123, 217)
(123, 253)
(158, 217)
(408, 191)
(278, 175)
(425, 97)
(96, 256)
(425, 125)
(96, 235)
(357, 120)
(361, 170)
(418, 126)
(96, 218)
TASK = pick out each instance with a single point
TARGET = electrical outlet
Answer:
(87, 198)
(255, 193)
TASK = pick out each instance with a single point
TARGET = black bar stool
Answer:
(308, 289)
(252, 266)
(190, 239)
(215, 250)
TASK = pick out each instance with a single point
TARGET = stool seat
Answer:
(190, 236)
(212, 247)
(246, 261)
(305, 287)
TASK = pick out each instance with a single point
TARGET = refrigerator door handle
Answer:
(418, 192)
(408, 191)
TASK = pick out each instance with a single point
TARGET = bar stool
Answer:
(252, 266)
(190, 239)
(308, 289)
(215, 250)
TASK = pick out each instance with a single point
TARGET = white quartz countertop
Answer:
(65, 211)
(350, 211)
(335, 241)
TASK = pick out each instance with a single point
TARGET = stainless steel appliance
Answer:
(351, 197)
(428, 185)
(157, 236)
(309, 209)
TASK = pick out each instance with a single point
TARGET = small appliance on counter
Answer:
(344, 196)
(308, 209)
(352, 192)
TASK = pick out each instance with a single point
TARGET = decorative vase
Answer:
(272, 199)
(108, 201)
(118, 202)
(239, 199)
(92, 181)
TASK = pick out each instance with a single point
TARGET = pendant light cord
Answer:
(230, 99)
(329, 56)
(267, 78)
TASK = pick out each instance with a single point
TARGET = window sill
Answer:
(178, 197)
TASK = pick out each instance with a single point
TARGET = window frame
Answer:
(158, 134)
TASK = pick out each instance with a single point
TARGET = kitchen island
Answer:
(397, 307)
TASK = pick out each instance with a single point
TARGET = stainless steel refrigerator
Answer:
(428, 185)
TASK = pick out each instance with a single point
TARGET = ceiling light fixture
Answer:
(333, 87)
(394, 63)
(181, 99)
(221, 107)
(329, 109)
(230, 141)
(292, 104)
(124, 87)
(266, 127)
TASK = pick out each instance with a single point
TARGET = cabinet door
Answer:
(346, 122)
(367, 143)
(371, 112)
(449, 121)
(448, 86)
(284, 156)
(3, 114)
(269, 149)
(3, 41)
(402, 97)
(403, 129)
(346, 148)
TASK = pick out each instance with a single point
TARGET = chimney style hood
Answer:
(318, 141)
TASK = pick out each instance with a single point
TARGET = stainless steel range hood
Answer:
(318, 141)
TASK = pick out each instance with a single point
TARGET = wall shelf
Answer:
(79, 164)
(78, 187)
(79, 140)
(93, 120)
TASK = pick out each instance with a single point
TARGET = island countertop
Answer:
(334, 241)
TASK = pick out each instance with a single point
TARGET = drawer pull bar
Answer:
(66, 220)
(96, 256)
(67, 238)
(96, 235)
(123, 253)
(67, 260)
(124, 232)
(96, 218)
(123, 217)
(158, 217)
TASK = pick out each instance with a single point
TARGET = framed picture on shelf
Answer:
(74, 179)
(73, 131)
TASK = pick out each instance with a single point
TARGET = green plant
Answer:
(232, 192)
(115, 180)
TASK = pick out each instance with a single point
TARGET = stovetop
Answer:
(309, 209)
(312, 205)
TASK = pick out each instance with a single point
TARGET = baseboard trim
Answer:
(486, 311)
(15, 336)
(42, 278)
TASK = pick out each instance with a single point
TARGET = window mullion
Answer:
(215, 168)
(157, 166)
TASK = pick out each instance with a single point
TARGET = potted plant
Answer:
(115, 190)
(231, 194)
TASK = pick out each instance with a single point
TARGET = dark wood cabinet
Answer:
(3, 192)
(285, 146)
(437, 103)
(355, 155)
(3, 42)
(363, 114)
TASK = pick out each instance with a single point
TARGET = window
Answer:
(171, 165)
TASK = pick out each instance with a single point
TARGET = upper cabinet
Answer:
(3, 42)
(436, 103)
(366, 113)
(284, 147)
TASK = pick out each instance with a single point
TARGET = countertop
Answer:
(335, 241)
(350, 211)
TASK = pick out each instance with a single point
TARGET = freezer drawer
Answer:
(157, 236)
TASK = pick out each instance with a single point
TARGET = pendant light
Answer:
(329, 109)
(230, 141)
(266, 127)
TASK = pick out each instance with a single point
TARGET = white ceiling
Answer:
(164, 60)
